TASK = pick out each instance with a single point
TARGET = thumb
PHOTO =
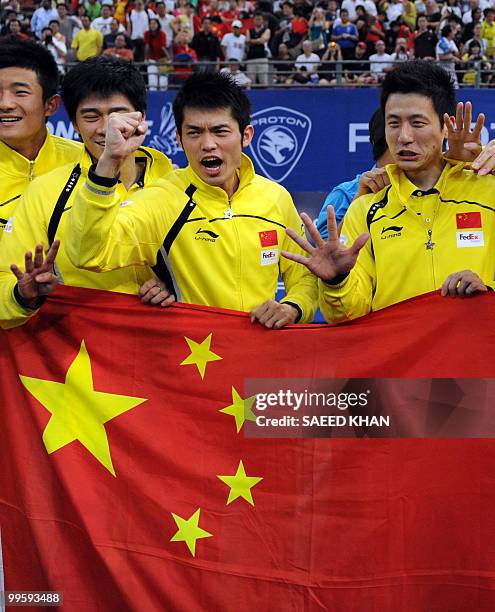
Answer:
(472, 146)
(359, 243)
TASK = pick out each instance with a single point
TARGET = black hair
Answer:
(211, 91)
(445, 31)
(425, 79)
(31, 56)
(103, 77)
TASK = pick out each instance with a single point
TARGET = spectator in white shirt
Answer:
(138, 23)
(380, 62)
(350, 5)
(102, 23)
(234, 43)
(394, 10)
(168, 24)
(236, 73)
(309, 60)
(42, 17)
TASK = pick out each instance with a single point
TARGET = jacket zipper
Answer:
(31, 170)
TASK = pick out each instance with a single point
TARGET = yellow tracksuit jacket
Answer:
(417, 239)
(30, 226)
(17, 172)
(215, 252)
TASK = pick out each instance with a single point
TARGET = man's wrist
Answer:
(108, 168)
(297, 309)
(28, 303)
(336, 280)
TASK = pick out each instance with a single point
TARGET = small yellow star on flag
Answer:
(240, 484)
(189, 531)
(78, 411)
(240, 409)
(200, 354)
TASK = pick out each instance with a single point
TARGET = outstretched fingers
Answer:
(333, 232)
(52, 254)
(302, 242)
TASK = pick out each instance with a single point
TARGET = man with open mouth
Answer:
(28, 96)
(214, 230)
(432, 227)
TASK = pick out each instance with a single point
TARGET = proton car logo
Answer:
(280, 138)
(165, 141)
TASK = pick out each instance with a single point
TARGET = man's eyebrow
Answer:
(191, 126)
(413, 116)
(116, 109)
(21, 84)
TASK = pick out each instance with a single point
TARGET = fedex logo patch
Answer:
(269, 257)
(10, 226)
(470, 238)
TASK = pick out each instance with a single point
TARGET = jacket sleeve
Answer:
(300, 284)
(104, 236)
(353, 296)
(28, 229)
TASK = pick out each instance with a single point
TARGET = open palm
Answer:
(328, 259)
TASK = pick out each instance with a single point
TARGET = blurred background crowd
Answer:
(265, 43)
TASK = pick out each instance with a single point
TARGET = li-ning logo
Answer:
(395, 229)
(280, 138)
(165, 140)
(212, 235)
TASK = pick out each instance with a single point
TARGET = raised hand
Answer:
(125, 133)
(372, 181)
(328, 258)
(38, 279)
(464, 142)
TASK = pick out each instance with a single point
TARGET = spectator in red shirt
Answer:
(184, 56)
(156, 54)
(120, 49)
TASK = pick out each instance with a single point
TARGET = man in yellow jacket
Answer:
(217, 226)
(433, 227)
(28, 96)
(91, 92)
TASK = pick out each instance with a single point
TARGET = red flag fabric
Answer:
(127, 482)
(469, 220)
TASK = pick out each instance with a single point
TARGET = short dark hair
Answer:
(445, 31)
(32, 56)
(103, 77)
(210, 91)
(425, 79)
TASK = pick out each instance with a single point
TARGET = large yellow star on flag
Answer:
(78, 411)
(189, 531)
(240, 409)
(200, 354)
(240, 484)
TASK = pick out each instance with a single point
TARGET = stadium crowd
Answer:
(264, 42)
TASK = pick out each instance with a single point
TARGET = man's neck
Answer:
(231, 185)
(31, 149)
(427, 178)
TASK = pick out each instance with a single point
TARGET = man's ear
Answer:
(52, 105)
(177, 135)
(247, 136)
